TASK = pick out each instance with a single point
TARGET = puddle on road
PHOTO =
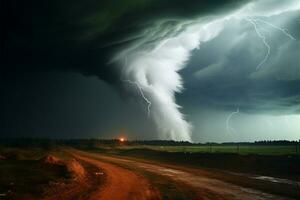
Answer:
(267, 178)
(277, 180)
(172, 171)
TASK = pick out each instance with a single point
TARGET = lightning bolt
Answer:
(229, 128)
(142, 94)
(139, 88)
(255, 22)
(284, 31)
(263, 38)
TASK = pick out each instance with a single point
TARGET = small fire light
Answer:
(121, 139)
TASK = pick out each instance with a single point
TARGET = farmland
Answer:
(237, 149)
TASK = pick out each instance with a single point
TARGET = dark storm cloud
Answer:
(67, 105)
(77, 35)
(83, 36)
(222, 74)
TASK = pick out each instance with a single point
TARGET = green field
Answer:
(240, 149)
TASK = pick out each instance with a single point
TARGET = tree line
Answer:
(90, 143)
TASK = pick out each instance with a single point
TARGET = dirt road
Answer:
(124, 183)
(120, 183)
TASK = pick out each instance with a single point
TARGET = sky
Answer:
(201, 71)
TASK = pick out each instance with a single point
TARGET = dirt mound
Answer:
(49, 159)
(75, 168)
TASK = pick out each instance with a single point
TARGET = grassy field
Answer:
(267, 160)
(239, 149)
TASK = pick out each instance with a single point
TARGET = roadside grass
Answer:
(274, 163)
(238, 149)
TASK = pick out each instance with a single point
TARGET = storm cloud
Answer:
(229, 77)
(151, 50)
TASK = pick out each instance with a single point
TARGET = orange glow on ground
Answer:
(122, 139)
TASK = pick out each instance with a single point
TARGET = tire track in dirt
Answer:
(121, 184)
